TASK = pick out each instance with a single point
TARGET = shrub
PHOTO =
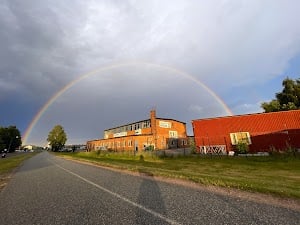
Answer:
(242, 148)
(149, 148)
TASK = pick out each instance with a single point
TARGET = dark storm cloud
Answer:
(33, 52)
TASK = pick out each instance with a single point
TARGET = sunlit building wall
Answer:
(276, 131)
(149, 134)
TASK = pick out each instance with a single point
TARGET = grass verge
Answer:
(279, 176)
(7, 166)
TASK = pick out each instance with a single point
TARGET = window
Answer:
(129, 143)
(173, 134)
(146, 124)
(240, 137)
(164, 124)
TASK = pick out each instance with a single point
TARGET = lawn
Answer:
(267, 174)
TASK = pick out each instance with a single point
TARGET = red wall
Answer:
(277, 129)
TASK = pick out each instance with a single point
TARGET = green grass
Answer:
(273, 175)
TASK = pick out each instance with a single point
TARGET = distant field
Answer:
(274, 175)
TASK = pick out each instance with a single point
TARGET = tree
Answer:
(57, 138)
(272, 106)
(10, 138)
(288, 99)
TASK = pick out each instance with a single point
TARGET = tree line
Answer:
(10, 138)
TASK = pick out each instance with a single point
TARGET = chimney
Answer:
(153, 126)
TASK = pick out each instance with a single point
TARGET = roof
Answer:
(143, 121)
(126, 124)
(170, 119)
(252, 114)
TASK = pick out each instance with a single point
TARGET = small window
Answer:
(173, 134)
(129, 143)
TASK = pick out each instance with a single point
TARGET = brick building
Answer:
(153, 133)
(261, 131)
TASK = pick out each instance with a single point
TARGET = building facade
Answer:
(261, 132)
(149, 134)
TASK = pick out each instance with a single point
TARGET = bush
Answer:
(242, 148)
(149, 148)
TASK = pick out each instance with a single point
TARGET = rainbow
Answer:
(44, 108)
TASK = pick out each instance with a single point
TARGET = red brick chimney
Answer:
(153, 126)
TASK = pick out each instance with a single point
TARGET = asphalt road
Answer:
(51, 190)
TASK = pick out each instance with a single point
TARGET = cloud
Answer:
(196, 108)
(227, 45)
(248, 108)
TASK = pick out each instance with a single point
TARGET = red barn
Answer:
(261, 131)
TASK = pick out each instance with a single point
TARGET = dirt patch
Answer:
(271, 200)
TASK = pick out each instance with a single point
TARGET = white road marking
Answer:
(120, 197)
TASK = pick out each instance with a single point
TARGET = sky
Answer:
(96, 64)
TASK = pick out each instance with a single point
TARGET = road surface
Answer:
(50, 190)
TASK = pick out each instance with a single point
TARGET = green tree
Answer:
(288, 99)
(10, 138)
(57, 138)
